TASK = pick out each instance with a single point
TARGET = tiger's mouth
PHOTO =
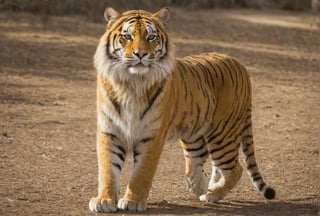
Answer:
(138, 69)
(140, 64)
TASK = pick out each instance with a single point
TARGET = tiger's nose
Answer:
(140, 53)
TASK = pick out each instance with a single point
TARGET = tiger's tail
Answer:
(250, 161)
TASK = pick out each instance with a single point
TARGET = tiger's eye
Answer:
(151, 37)
(127, 37)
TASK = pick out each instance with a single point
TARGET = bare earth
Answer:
(48, 161)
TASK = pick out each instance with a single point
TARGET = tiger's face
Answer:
(135, 44)
(140, 43)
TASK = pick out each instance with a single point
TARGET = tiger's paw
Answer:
(197, 184)
(209, 197)
(102, 205)
(130, 205)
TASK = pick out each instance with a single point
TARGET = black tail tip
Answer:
(269, 193)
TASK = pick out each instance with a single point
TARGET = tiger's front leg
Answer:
(111, 158)
(146, 157)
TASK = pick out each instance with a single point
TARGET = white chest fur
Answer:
(128, 124)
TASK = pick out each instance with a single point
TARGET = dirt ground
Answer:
(48, 163)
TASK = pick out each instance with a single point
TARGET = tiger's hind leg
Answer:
(195, 154)
(226, 170)
(219, 189)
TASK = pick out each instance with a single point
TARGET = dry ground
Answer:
(48, 162)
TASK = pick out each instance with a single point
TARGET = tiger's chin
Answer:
(139, 69)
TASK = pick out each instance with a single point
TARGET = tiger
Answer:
(147, 97)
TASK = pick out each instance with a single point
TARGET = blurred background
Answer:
(48, 162)
(93, 9)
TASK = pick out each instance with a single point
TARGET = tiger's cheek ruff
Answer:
(117, 71)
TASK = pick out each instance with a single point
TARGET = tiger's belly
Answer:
(187, 132)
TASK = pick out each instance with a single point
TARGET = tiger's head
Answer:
(135, 47)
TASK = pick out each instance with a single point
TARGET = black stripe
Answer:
(220, 141)
(203, 70)
(209, 79)
(247, 137)
(184, 115)
(172, 117)
(114, 102)
(234, 77)
(221, 72)
(114, 41)
(121, 149)
(135, 155)
(183, 79)
(194, 73)
(117, 166)
(226, 65)
(108, 53)
(112, 136)
(120, 156)
(248, 115)
(162, 44)
(228, 161)
(249, 155)
(231, 76)
(149, 22)
(257, 178)
(106, 115)
(226, 145)
(152, 100)
(242, 85)
(250, 166)
(165, 43)
(116, 50)
(206, 115)
(256, 174)
(131, 19)
(247, 146)
(236, 126)
(261, 186)
(147, 139)
(224, 154)
(222, 147)
(230, 168)
(107, 48)
(213, 136)
(195, 149)
(197, 119)
(192, 142)
(212, 66)
(246, 127)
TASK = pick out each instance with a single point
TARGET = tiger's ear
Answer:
(111, 15)
(163, 15)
